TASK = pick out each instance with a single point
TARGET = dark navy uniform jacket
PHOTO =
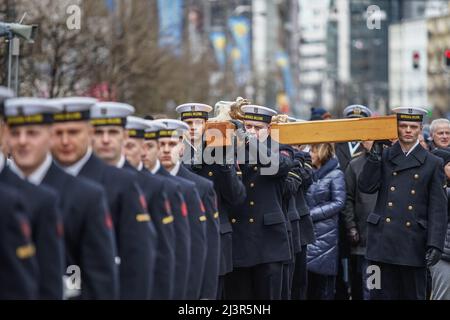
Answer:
(135, 233)
(209, 201)
(18, 267)
(411, 210)
(230, 191)
(197, 225)
(294, 218)
(305, 223)
(259, 225)
(47, 232)
(88, 233)
(290, 190)
(154, 189)
(182, 236)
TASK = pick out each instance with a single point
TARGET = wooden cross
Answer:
(311, 132)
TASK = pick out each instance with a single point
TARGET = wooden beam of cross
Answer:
(311, 132)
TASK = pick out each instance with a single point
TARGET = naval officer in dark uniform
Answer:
(171, 150)
(227, 185)
(177, 195)
(18, 270)
(134, 232)
(260, 235)
(345, 152)
(28, 125)
(406, 231)
(89, 242)
(155, 190)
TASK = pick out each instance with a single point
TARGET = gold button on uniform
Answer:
(255, 168)
(252, 185)
(390, 204)
(394, 173)
(416, 176)
(251, 220)
(413, 191)
(388, 220)
(410, 208)
(210, 174)
(252, 203)
(392, 188)
(233, 220)
(408, 224)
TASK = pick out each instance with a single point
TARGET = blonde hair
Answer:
(325, 151)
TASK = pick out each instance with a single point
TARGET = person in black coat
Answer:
(193, 210)
(209, 200)
(135, 233)
(291, 186)
(440, 282)
(358, 206)
(227, 185)
(89, 240)
(345, 152)
(28, 125)
(179, 207)
(171, 150)
(260, 235)
(406, 231)
(300, 277)
(18, 270)
(155, 190)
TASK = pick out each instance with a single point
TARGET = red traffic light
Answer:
(416, 59)
(447, 58)
(447, 53)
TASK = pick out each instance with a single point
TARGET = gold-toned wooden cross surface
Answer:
(311, 132)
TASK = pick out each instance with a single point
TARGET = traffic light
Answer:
(416, 60)
(447, 58)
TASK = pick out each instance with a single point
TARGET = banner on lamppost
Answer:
(240, 30)
(170, 15)
(282, 60)
(219, 42)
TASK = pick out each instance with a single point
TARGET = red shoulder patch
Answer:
(143, 202)
(167, 206)
(184, 210)
(60, 229)
(202, 206)
(108, 221)
(25, 228)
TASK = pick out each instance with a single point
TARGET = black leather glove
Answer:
(376, 151)
(304, 158)
(353, 236)
(292, 183)
(433, 256)
(237, 124)
(240, 132)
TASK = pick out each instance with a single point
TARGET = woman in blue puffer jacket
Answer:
(325, 198)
